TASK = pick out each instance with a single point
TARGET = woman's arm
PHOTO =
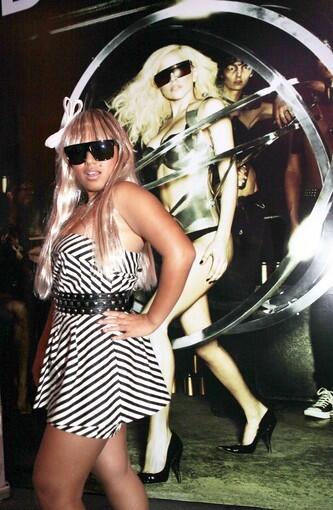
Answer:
(222, 138)
(41, 348)
(292, 184)
(277, 110)
(147, 218)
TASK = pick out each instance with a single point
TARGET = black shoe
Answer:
(174, 454)
(264, 432)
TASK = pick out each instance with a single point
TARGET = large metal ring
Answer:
(286, 91)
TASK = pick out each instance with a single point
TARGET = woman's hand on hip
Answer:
(124, 325)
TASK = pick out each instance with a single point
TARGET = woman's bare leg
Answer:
(159, 433)
(224, 368)
(63, 464)
(193, 308)
(121, 484)
(61, 468)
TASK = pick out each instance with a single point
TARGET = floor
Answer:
(23, 499)
(296, 476)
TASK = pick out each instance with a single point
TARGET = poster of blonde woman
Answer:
(189, 141)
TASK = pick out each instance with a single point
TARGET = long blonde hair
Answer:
(140, 106)
(92, 124)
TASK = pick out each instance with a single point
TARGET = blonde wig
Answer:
(140, 106)
(90, 125)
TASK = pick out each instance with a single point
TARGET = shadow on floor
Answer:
(23, 499)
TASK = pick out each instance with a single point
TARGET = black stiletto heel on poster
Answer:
(264, 432)
(175, 450)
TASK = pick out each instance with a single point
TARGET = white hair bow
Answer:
(71, 108)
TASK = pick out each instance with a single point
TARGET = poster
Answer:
(89, 50)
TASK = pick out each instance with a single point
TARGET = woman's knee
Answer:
(53, 493)
(207, 352)
(42, 486)
(119, 470)
(112, 471)
(163, 351)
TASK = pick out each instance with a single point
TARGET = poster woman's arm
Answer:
(222, 138)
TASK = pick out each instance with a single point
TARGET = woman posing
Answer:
(99, 370)
(174, 89)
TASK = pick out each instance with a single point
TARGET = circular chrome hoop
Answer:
(234, 321)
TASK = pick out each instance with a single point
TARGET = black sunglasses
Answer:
(181, 69)
(101, 150)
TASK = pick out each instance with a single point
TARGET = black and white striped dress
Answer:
(91, 383)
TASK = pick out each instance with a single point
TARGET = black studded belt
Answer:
(79, 304)
(311, 192)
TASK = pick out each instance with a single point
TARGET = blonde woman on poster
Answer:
(176, 88)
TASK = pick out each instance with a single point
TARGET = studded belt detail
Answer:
(311, 192)
(91, 304)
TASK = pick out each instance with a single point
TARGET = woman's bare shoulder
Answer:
(211, 105)
(129, 194)
(125, 185)
(126, 189)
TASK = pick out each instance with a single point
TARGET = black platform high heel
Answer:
(175, 450)
(264, 432)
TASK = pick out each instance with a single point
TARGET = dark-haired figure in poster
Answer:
(248, 225)
(303, 184)
(95, 365)
(175, 88)
(249, 222)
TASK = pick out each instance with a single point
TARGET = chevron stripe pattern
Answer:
(90, 383)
